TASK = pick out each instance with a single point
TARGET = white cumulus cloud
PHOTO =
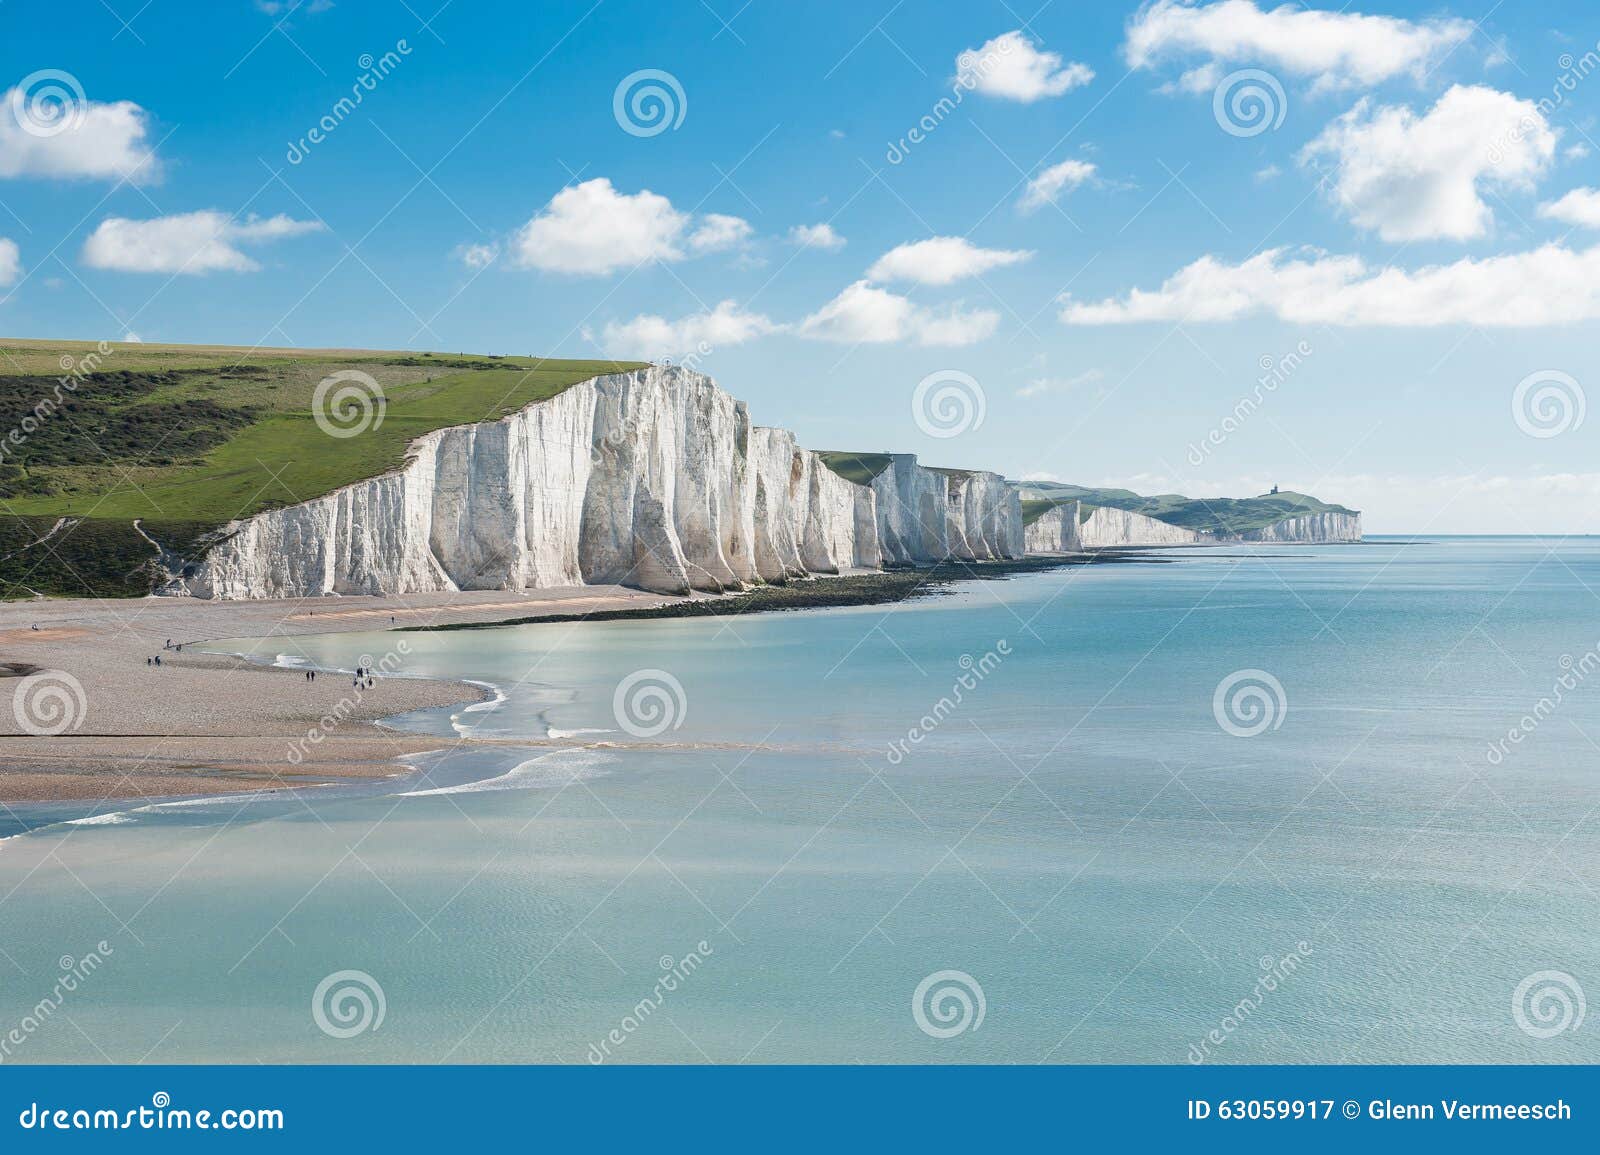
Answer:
(198, 242)
(1581, 206)
(866, 314)
(1332, 49)
(1549, 285)
(941, 261)
(1039, 386)
(1048, 185)
(91, 140)
(1409, 177)
(1011, 67)
(591, 229)
(10, 262)
(819, 236)
(651, 336)
(717, 231)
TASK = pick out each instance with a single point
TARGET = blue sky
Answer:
(1089, 232)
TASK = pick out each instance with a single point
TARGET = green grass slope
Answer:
(188, 438)
(1226, 515)
(860, 468)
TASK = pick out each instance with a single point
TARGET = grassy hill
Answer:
(187, 438)
(1225, 515)
(860, 468)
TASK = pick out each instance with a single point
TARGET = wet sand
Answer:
(208, 724)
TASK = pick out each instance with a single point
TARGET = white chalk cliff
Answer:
(1311, 527)
(653, 478)
(1064, 530)
(1107, 527)
(1056, 530)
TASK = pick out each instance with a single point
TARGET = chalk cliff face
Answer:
(1313, 527)
(1106, 527)
(1056, 531)
(1059, 530)
(653, 479)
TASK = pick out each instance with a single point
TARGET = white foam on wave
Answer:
(552, 732)
(292, 662)
(557, 768)
(460, 726)
(115, 818)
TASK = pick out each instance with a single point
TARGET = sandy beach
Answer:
(205, 723)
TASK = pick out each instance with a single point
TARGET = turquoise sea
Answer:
(1024, 799)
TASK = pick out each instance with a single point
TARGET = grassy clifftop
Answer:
(1225, 515)
(860, 468)
(187, 438)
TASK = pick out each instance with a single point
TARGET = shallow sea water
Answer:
(1123, 877)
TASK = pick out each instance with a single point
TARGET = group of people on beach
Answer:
(156, 661)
